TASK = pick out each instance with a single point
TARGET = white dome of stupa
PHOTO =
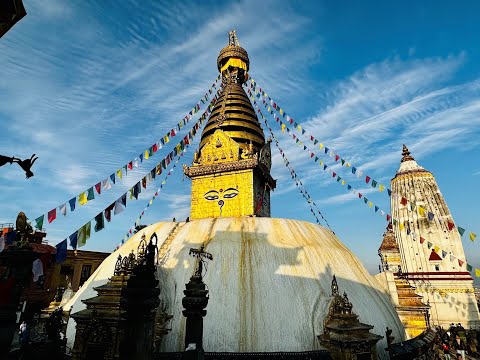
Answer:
(269, 283)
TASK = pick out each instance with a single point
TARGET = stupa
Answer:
(270, 279)
(424, 249)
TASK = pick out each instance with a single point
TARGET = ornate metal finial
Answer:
(232, 38)
(201, 257)
(406, 154)
(347, 305)
(334, 286)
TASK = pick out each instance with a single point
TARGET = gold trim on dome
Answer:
(412, 174)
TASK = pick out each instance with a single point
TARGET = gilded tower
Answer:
(230, 172)
(436, 274)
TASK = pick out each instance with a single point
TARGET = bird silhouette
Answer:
(26, 165)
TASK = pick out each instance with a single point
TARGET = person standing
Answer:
(24, 333)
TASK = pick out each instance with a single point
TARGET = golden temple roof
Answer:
(389, 242)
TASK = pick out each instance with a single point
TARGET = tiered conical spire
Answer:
(233, 112)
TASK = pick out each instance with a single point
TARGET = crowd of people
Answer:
(456, 342)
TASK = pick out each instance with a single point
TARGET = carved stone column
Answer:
(195, 302)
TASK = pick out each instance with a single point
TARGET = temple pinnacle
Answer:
(406, 154)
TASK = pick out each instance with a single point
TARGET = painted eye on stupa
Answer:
(211, 195)
(230, 193)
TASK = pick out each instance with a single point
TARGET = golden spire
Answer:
(233, 113)
(406, 154)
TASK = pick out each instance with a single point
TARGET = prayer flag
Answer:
(52, 215)
(452, 258)
(444, 253)
(389, 192)
(343, 161)
(99, 222)
(354, 169)
(112, 177)
(469, 268)
(429, 244)
(436, 248)
(73, 240)
(108, 212)
(130, 164)
(402, 226)
(374, 183)
(141, 157)
(72, 203)
(144, 182)
(63, 209)
(451, 225)
(422, 240)
(39, 222)
(472, 236)
(388, 217)
(337, 157)
(430, 216)
(84, 234)
(146, 154)
(421, 211)
(461, 230)
(343, 182)
(403, 201)
(370, 204)
(106, 184)
(376, 208)
(98, 187)
(359, 195)
(135, 163)
(90, 194)
(82, 199)
(477, 272)
(349, 187)
(118, 207)
(381, 187)
(367, 179)
(365, 199)
(320, 146)
(61, 254)
(460, 263)
(119, 174)
(123, 199)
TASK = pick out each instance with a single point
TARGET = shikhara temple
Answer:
(232, 282)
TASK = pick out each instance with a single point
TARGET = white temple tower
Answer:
(441, 279)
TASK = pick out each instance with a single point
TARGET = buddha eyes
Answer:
(211, 197)
(229, 193)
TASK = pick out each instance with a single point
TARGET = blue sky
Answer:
(89, 85)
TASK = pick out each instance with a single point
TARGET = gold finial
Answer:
(406, 154)
(232, 38)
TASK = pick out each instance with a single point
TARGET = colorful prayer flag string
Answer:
(361, 196)
(80, 236)
(295, 177)
(88, 195)
(271, 106)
